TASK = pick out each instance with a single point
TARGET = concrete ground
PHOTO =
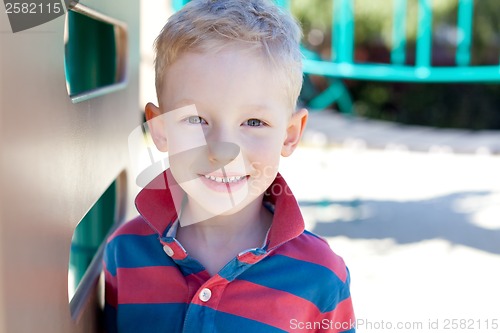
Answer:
(418, 226)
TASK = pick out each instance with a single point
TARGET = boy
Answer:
(220, 245)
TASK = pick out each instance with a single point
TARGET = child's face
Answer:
(225, 121)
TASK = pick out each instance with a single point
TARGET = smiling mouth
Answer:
(225, 180)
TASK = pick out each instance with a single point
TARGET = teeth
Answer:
(225, 179)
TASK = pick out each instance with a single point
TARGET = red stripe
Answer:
(179, 252)
(110, 288)
(341, 318)
(311, 249)
(249, 258)
(199, 277)
(262, 304)
(216, 284)
(140, 285)
(137, 226)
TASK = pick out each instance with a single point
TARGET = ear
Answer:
(156, 126)
(294, 132)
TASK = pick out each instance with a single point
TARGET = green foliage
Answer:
(313, 14)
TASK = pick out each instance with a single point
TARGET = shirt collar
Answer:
(156, 204)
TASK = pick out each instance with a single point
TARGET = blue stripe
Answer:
(310, 281)
(147, 318)
(231, 323)
(110, 319)
(132, 251)
(223, 322)
(233, 269)
(189, 266)
(175, 317)
(236, 267)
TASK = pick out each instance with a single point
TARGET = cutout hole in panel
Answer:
(88, 242)
(95, 54)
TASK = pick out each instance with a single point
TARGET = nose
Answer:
(222, 152)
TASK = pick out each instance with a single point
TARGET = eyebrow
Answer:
(257, 107)
(182, 103)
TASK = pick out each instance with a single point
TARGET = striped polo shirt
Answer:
(294, 283)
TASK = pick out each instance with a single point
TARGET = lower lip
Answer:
(224, 187)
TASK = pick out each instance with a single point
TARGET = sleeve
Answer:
(341, 318)
(110, 289)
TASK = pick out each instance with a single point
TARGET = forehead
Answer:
(230, 76)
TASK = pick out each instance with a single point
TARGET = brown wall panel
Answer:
(57, 158)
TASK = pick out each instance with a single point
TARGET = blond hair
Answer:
(209, 25)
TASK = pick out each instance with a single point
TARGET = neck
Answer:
(245, 228)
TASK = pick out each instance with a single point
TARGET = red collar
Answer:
(156, 205)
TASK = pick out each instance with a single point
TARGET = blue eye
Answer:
(253, 122)
(196, 120)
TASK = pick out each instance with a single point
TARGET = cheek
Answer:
(268, 138)
(264, 155)
(267, 143)
(183, 139)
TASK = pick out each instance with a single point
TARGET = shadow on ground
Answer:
(406, 222)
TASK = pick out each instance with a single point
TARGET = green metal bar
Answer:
(464, 26)
(424, 34)
(178, 4)
(343, 31)
(335, 93)
(398, 53)
(283, 3)
(389, 72)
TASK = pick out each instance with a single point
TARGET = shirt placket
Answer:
(202, 310)
(205, 292)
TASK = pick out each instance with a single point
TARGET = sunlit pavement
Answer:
(420, 231)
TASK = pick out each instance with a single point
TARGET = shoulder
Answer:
(308, 268)
(137, 226)
(133, 244)
(313, 249)
(131, 236)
